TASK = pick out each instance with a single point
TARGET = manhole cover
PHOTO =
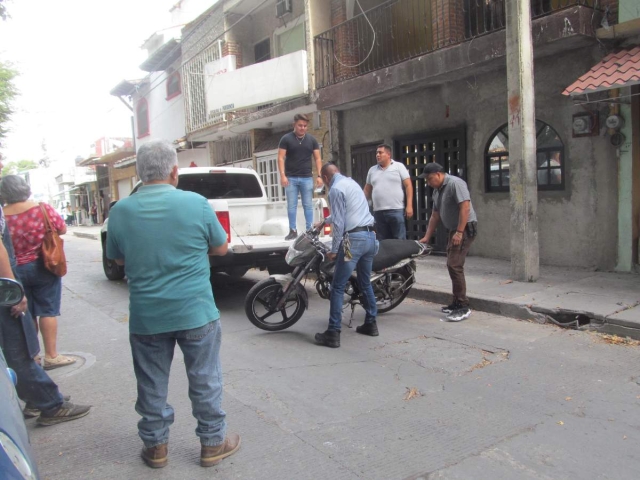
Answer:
(83, 361)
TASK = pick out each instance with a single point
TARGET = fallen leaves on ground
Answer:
(560, 422)
(616, 340)
(506, 282)
(412, 392)
(568, 399)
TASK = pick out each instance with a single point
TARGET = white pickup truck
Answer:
(255, 226)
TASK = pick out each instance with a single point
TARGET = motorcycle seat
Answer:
(392, 251)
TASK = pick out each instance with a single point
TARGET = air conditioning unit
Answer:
(282, 8)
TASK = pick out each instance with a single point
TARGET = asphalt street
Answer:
(488, 398)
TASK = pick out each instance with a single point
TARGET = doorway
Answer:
(363, 157)
(448, 148)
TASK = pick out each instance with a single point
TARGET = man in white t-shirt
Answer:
(388, 183)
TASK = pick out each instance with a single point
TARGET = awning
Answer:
(616, 70)
(126, 162)
(109, 158)
(64, 192)
(125, 88)
(163, 57)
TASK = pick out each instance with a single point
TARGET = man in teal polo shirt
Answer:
(163, 237)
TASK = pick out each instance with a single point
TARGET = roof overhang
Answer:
(126, 162)
(125, 88)
(616, 70)
(163, 57)
(109, 158)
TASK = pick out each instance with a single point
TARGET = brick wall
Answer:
(233, 48)
(346, 49)
(447, 21)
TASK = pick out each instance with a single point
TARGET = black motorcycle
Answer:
(279, 301)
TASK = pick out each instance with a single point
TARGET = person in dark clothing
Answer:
(294, 163)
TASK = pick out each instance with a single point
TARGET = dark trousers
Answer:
(390, 224)
(456, 255)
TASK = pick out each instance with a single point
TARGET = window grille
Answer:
(268, 171)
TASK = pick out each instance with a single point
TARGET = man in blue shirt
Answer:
(353, 248)
(163, 237)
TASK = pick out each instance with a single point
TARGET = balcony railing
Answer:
(401, 29)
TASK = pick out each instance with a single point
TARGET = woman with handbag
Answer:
(32, 227)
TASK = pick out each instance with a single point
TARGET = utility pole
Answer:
(523, 185)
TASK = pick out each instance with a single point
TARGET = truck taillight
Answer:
(327, 227)
(223, 218)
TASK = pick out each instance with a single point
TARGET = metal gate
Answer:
(363, 157)
(448, 148)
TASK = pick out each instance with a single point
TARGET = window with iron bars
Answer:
(232, 150)
(268, 171)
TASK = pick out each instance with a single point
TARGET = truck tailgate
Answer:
(258, 243)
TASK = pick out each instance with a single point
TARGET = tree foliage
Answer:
(3, 11)
(8, 92)
(13, 168)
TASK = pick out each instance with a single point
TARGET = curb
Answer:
(523, 312)
(91, 236)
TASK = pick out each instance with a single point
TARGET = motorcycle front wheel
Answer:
(397, 288)
(260, 306)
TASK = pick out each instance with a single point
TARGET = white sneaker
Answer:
(460, 314)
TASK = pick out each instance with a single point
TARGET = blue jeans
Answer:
(34, 386)
(152, 356)
(364, 247)
(390, 224)
(42, 288)
(19, 343)
(303, 186)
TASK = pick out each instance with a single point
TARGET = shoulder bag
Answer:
(52, 248)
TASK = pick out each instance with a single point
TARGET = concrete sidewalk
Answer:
(92, 232)
(604, 301)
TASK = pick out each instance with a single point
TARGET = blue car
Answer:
(16, 457)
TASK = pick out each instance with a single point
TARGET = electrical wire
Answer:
(373, 42)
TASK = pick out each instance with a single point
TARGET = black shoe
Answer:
(330, 338)
(450, 308)
(30, 411)
(292, 235)
(66, 412)
(370, 329)
(460, 314)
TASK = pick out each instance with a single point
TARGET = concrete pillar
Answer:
(525, 261)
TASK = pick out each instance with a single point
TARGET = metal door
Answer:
(447, 148)
(363, 157)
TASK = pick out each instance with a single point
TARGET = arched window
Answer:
(549, 159)
(173, 85)
(142, 118)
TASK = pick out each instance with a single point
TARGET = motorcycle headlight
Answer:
(293, 256)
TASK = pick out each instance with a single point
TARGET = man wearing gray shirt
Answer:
(452, 205)
(387, 183)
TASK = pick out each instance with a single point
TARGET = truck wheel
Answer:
(112, 270)
(260, 306)
(236, 272)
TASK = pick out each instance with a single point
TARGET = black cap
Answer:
(432, 167)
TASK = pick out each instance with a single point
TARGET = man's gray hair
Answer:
(155, 160)
(14, 189)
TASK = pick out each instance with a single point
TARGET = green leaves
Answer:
(8, 92)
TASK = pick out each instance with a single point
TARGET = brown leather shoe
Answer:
(210, 456)
(156, 457)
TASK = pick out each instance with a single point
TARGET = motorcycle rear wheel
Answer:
(259, 306)
(398, 279)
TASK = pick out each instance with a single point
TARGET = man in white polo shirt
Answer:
(387, 183)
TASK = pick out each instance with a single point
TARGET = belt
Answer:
(367, 228)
